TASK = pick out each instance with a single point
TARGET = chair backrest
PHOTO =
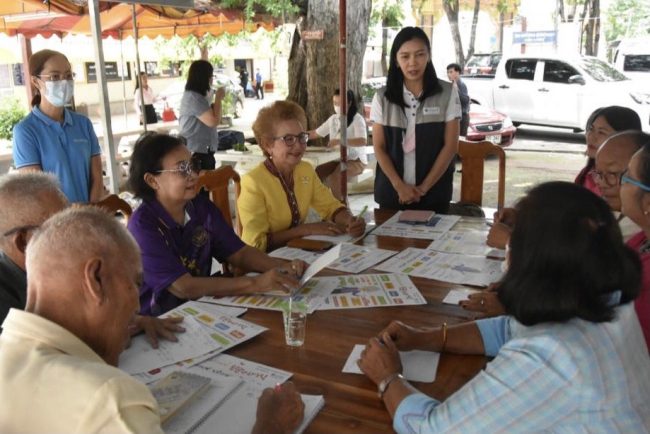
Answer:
(216, 183)
(114, 204)
(472, 156)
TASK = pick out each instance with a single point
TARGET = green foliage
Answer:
(11, 112)
(228, 104)
(273, 7)
(627, 18)
(387, 12)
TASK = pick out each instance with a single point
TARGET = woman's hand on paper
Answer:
(486, 302)
(295, 268)
(405, 337)
(380, 359)
(499, 235)
(276, 279)
(356, 226)
(279, 410)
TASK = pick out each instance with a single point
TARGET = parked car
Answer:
(482, 64)
(558, 91)
(484, 123)
(174, 92)
(632, 56)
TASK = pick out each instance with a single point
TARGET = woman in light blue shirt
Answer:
(570, 357)
(54, 139)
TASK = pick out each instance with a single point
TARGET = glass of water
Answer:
(295, 322)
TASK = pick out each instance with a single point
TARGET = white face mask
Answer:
(59, 93)
(337, 110)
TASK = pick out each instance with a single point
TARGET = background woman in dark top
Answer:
(415, 131)
(198, 118)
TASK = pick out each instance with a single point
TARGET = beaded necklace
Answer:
(288, 190)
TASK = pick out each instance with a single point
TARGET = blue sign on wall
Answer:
(539, 37)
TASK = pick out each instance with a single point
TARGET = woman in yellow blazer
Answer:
(276, 195)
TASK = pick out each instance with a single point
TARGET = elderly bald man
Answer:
(58, 357)
(27, 199)
(611, 161)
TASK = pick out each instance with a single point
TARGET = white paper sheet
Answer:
(465, 243)
(393, 228)
(417, 365)
(455, 296)
(262, 376)
(141, 357)
(325, 259)
(445, 267)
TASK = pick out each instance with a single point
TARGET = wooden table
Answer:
(351, 402)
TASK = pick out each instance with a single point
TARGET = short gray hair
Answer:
(20, 197)
(78, 233)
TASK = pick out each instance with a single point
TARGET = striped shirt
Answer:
(569, 377)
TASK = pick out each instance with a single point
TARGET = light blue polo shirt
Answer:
(64, 149)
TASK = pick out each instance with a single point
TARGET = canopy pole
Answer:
(343, 118)
(26, 51)
(109, 146)
(137, 67)
(126, 118)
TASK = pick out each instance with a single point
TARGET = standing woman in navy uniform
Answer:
(415, 132)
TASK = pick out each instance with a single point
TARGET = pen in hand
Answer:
(363, 212)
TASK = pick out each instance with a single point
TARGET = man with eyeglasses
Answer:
(611, 161)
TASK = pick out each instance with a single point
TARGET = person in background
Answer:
(26, 201)
(566, 358)
(602, 123)
(635, 204)
(198, 117)
(259, 85)
(179, 233)
(453, 73)
(330, 172)
(53, 138)
(277, 194)
(58, 358)
(149, 98)
(612, 160)
(415, 130)
(243, 80)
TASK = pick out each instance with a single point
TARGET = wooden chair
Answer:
(472, 156)
(114, 204)
(216, 183)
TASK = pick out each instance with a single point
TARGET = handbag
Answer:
(168, 114)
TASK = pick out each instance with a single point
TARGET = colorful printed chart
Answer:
(465, 270)
(465, 243)
(369, 290)
(439, 224)
(311, 295)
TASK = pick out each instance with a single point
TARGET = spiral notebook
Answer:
(193, 416)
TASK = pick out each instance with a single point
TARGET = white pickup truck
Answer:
(558, 92)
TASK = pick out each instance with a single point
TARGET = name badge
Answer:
(431, 110)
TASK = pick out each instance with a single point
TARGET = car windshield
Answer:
(479, 60)
(601, 71)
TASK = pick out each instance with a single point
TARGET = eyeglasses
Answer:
(627, 180)
(57, 76)
(20, 229)
(185, 168)
(291, 139)
(611, 179)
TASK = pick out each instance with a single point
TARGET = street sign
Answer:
(312, 35)
(539, 37)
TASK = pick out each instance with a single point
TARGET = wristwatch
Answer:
(383, 384)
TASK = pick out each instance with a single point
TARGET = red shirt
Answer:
(642, 303)
(588, 182)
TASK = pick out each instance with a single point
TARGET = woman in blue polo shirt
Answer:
(415, 131)
(57, 140)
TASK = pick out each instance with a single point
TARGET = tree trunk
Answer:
(451, 10)
(313, 65)
(560, 10)
(384, 46)
(592, 28)
(297, 68)
(472, 38)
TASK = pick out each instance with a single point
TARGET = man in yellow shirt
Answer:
(58, 357)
